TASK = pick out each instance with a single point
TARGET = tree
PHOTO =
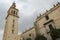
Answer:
(40, 37)
(28, 39)
(55, 33)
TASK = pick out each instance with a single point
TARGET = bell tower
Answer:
(11, 25)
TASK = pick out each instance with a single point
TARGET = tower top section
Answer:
(13, 5)
(13, 11)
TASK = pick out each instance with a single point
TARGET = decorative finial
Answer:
(54, 5)
(37, 17)
(58, 2)
(40, 14)
(46, 10)
(13, 5)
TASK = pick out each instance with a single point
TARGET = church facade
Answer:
(49, 20)
(42, 26)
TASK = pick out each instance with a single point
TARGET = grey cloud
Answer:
(22, 0)
(39, 5)
(1, 34)
(25, 23)
(28, 12)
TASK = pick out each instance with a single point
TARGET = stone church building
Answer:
(43, 24)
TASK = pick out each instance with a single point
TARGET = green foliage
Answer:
(40, 37)
(55, 33)
(28, 39)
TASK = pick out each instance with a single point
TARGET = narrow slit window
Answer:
(13, 26)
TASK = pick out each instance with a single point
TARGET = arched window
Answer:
(46, 17)
(11, 11)
(14, 12)
(29, 34)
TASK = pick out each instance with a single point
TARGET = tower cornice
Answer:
(12, 15)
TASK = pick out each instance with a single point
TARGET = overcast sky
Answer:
(28, 12)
